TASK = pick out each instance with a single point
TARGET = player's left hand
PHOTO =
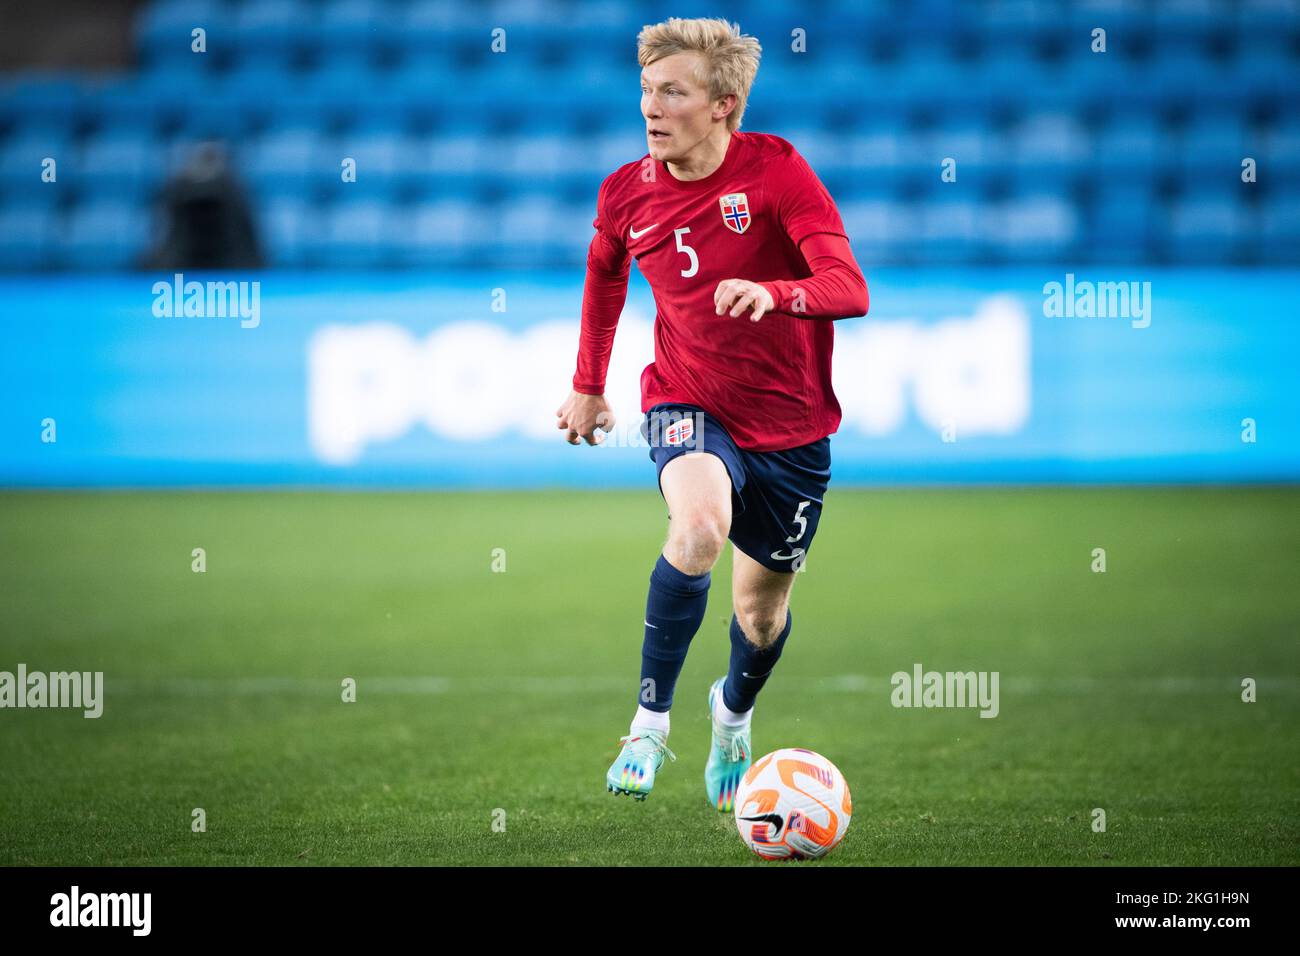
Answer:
(741, 294)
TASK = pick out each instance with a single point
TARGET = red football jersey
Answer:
(768, 382)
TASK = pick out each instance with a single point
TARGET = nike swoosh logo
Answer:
(637, 235)
(655, 626)
(747, 674)
(772, 818)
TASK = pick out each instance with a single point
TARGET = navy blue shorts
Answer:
(776, 496)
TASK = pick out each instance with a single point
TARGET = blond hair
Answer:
(728, 59)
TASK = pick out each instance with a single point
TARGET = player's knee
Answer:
(700, 535)
(761, 624)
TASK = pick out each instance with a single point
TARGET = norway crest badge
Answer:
(735, 211)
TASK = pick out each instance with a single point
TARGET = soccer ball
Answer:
(793, 805)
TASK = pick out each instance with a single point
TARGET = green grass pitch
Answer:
(480, 691)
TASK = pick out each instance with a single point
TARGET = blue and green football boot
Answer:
(729, 756)
(633, 772)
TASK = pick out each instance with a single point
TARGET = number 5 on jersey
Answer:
(683, 247)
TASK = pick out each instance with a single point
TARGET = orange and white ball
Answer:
(793, 804)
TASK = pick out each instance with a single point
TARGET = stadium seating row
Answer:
(1136, 153)
(110, 233)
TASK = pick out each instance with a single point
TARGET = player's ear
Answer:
(724, 106)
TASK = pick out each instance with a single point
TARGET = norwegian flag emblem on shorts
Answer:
(735, 211)
(679, 433)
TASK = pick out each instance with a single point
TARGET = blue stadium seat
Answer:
(885, 152)
(823, 148)
(613, 149)
(271, 22)
(386, 156)
(127, 104)
(1020, 17)
(356, 235)
(1280, 227)
(1011, 74)
(28, 231)
(572, 238)
(290, 154)
(22, 158)
(1116, 16)
(164, 33)
(283, 224)
(425, 24)
(1196, 80)
(1121, 220)
(1214, 142)
(1052, 143)
(875, 227)
(347, 21)
(533, 227)
(1178, 16)
(251, 78)
(929, 75)
(37, 96)
(1263, 17)
(120, 164)
(1209, 228)
(446, 159)
(1132, 145)
(105, 234)
(1031, 228)
(1280, 146)
(173, 96)
(948, 229)
(973, 144)
(340, 77)
(449, 232)
(547, 157)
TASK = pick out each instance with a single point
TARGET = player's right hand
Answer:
(581, 415)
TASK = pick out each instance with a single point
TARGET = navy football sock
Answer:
(673, 613)
(750, 666)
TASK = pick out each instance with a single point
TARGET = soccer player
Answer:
(750, 266)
